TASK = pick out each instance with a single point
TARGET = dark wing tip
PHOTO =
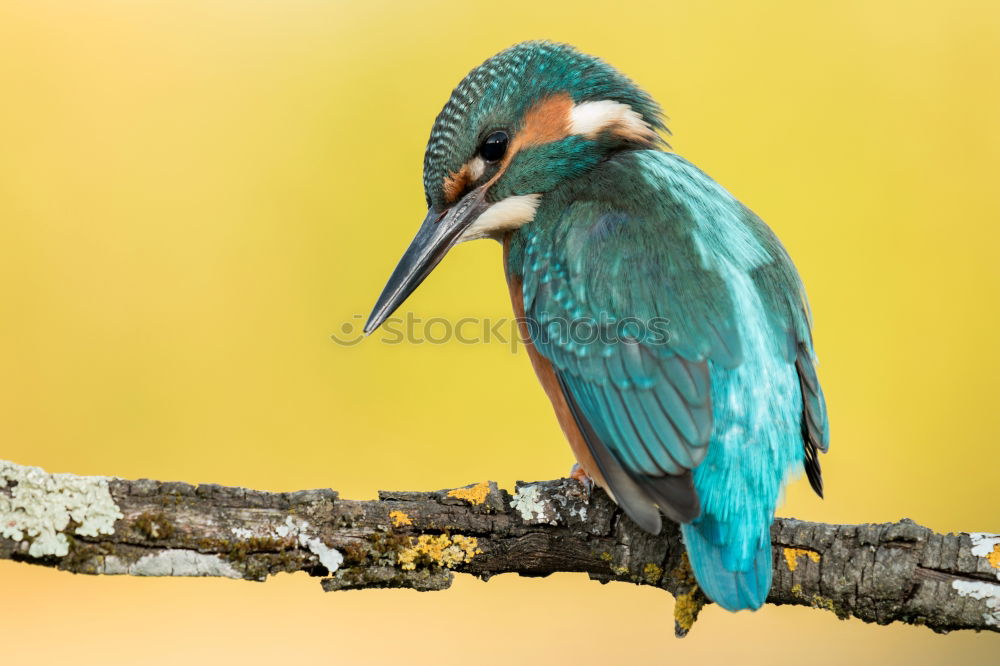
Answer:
(675, 495)
(815, 427)
(813, 470)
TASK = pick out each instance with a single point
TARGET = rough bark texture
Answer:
(893, 572)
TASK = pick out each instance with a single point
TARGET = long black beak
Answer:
(439, 231)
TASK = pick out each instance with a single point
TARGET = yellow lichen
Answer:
(400, 519)
(441, 550)
(683, 573)
(686, 609)
(652, 573)
(994, 557)
(688, 604)
(816, 601)
(823, 602)
(792, 555)
(474, 495)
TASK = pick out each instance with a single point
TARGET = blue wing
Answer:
(639, 379)
(649, 250)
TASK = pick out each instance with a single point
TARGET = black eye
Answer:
(494, 147)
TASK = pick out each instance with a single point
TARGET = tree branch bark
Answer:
(890, 572)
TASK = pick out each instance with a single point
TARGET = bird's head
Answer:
(531, 117)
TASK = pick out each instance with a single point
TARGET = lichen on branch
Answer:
(891, 572)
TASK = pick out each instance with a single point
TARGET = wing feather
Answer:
(643, 400)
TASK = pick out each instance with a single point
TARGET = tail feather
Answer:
(733, 590)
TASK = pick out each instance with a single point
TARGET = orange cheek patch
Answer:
(455, 183)
(545, 122)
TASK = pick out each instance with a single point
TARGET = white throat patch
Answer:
(505, 215)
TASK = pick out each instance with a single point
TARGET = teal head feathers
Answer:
(560, 109)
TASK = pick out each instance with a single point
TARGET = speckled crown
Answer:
(495, 94)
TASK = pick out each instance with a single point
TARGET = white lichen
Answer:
(983, 543)
(533, 509)
(982, 591)
(328, 557)
(987, 546)
(242, 533)
(289, 528)
(300, 530)
(172, 562)
(36, 507)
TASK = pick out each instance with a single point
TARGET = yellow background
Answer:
(194, 195)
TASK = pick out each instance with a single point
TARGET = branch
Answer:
(891, 572)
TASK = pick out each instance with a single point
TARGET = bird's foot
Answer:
(581, 476)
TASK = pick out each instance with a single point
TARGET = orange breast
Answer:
(547, 376)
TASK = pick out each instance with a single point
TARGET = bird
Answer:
(689, 390)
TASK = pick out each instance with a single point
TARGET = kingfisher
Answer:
(689, 387)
